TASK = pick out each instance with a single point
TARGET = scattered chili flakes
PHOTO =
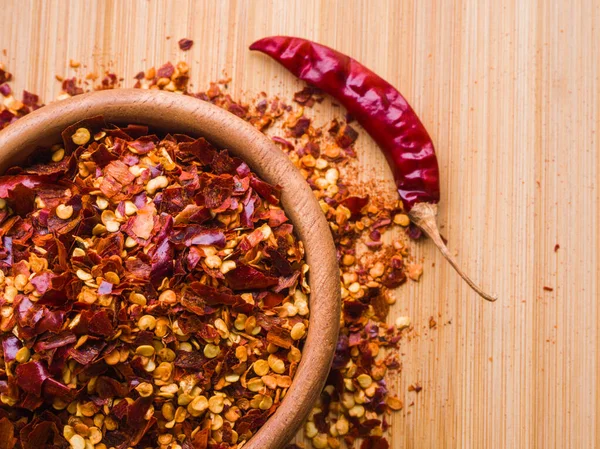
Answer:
(352, 404)
(415, 387)
(548, 289)
(185, 44)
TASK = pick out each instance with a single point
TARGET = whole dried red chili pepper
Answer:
(386, 116)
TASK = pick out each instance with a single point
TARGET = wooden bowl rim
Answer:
(178, 113)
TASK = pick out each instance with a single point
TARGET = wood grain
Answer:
(509, 90)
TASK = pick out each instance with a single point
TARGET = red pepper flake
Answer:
(548, 289)
(185, 44)
(556, 247)
(415, 387)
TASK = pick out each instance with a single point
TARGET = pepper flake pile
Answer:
(153, 294)
(355, 402)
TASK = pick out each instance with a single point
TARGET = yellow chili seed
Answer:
(261, 367)
(58, 155)
(364, 380)
(265, 403)
(294, 355)
(137, 298)
(216, 404)
(81, 136)
(211, 351)
(95, 435)
(78, 252)
(298, 331)
(320, 441)
(240, 322)
(160, 182)
(401, 219)
(130, 242)
(10, 293)
(112, 277)
(68, 432)
(310, 429)
(357, 411)
(145, 389)
(213, 261)
(402, 322)
(64, 212)
(217, 423)
(77, 442)
(198, 405)
(276, 364)
(168, 297)
(147, 322)
(145, 350)
(113, 358)
(84, 275)
(241, 353)
(113, 226)
(168, 411)
(23, 354)
(20, 282)
(185, 346)
(227, 266)
(130, 208)
(255, 384)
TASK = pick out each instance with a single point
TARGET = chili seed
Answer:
(77, 442)
(364, 380)
(84, 275)
(401, 219)
(310, 429)
(261, 367)
(402, 322)
(137, 298)
(320, 441)
(298, 331)
(130, 242)
(64, 212)
(160, 182)
(211, 351)
(147, 322)
(276, 364)
(22, 355)
(213, 261)
(145, 350)
(145, 389)
(198, 405)
(20, 282)
(357, 411)
(216, 404)
(168, 297)
(81, 136)
(58, 155)
(227, 266)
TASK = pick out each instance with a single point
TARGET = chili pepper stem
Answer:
(424, 216)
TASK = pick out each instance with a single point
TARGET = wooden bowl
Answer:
(178, 113)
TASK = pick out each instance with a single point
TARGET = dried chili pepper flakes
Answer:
(369, 268)
(129, 316)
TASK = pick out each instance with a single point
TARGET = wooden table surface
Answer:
(509, 91)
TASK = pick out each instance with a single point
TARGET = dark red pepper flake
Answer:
(185, 44)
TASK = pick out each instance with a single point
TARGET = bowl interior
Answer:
(177, 113)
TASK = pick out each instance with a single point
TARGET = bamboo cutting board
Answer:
(510, 92)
